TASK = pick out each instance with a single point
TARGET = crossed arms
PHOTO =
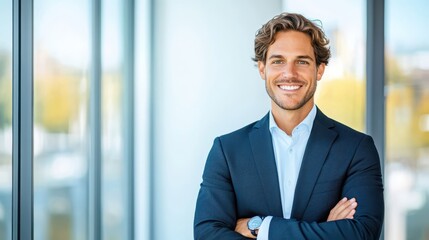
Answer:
(345, 209)
(223, 200)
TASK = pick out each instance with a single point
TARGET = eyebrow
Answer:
(305, 57)
(276, 56)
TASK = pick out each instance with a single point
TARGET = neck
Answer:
(287, 120)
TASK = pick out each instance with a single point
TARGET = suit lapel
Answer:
(263, 153)
(318, 147)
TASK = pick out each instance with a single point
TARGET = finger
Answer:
(339, 204)
(351, 214)
(343, 209)
(342, 205)
(347, 206)
(241, 228)
(347, 209)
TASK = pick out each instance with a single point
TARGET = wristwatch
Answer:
(254, 224)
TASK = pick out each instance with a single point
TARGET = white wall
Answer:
(205, 85)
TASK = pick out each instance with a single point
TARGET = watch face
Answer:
(254, 223)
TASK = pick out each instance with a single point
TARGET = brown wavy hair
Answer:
(265, 36)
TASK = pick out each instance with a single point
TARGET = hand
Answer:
(241, 228)
(344, 209)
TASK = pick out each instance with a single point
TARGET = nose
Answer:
(289, 71)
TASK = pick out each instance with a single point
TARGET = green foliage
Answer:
(56, 100)
(343, 100)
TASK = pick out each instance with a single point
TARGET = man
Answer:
(295, 174)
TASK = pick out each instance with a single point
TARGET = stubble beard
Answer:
(308, 96)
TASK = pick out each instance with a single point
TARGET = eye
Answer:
(277, 61)
(302, 62)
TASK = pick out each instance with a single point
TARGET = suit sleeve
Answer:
(364, 182)
(215, 214)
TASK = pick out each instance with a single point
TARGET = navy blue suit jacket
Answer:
(240, 181)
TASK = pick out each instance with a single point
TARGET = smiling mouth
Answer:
(289, 87)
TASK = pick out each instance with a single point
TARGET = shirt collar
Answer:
(307, 123)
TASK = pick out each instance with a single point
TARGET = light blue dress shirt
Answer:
(288, 153)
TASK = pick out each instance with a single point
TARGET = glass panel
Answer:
(141, 129)
(6, 120)
(61, 65)
(341, 92)
(407, 120)
(114, 182)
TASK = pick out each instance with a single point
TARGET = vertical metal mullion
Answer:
(152, 119)
(375, 75)
(95, 159)
(128, 110)
(22, 153)
(375, 107)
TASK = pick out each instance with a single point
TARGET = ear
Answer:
(261, 68)
(320, 71)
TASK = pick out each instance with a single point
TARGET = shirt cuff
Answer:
(264, 229)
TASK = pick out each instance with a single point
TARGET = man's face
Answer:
(290, 71)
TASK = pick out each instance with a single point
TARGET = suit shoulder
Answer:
(342, 129)
(348, 132)
(244, 131)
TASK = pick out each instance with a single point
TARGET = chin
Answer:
(292, 106)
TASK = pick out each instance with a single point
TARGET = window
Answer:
(344, 78)
(61, 105)
(115, 114)
(407, 120)
(6, 120)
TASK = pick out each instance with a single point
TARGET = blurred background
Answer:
(192, 79)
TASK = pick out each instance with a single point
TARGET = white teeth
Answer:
(285, 87)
